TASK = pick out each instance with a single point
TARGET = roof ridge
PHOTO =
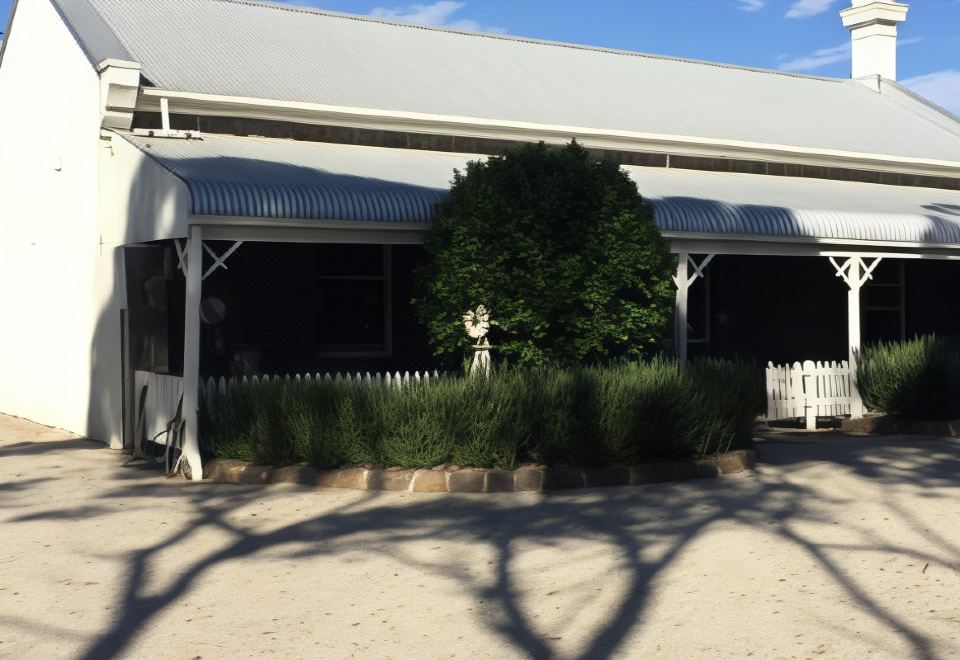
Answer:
(301, 9)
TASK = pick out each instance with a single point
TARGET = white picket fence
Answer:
(391, 379)
(163, 392)
(809, 390)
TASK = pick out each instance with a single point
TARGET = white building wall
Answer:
(50, 252)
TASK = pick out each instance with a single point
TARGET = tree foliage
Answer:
(560, 248)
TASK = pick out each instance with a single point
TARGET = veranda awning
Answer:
(253, 177)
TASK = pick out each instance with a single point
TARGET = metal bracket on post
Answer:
(684, 280)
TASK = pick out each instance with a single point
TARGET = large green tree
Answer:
(562, 250)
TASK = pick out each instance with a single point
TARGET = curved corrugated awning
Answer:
(285, 179)
(757, 205)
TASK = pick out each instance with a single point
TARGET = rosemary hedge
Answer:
(919, 379)
(589, 416)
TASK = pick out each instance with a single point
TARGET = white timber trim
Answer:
(190, 452)
(219, 261)
(314, 113)
(683, 281)
(855, 271)
(806, 240)
(306, 231)
(775, 247)
(119, 91)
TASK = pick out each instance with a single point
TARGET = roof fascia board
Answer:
(310, 113)
(697, 243)
(217, 227)
(275, 230)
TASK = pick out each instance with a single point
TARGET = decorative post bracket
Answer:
(864, 271)
(219, 261)
(684, 280)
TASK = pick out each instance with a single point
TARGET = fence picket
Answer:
(208, 387)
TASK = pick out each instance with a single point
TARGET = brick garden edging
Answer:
(476, 480)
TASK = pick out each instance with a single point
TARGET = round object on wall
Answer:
(212, 311)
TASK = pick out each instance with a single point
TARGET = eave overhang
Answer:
(473, 127)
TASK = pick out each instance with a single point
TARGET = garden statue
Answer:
(477, 324)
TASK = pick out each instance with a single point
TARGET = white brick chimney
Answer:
(873, 27)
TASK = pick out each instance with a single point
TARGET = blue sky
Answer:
(797, 35)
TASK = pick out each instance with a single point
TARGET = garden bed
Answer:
(594, 417)
(452, 479)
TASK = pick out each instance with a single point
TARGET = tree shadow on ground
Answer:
(631, 521)
(46, 447)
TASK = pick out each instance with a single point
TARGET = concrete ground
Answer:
(837, 547)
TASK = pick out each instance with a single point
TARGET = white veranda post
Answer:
(191, 354)
(855, 271)
(684, 280)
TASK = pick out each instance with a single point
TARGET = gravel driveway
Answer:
(835, 547)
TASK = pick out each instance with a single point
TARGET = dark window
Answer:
(353, 300)
(882, 305)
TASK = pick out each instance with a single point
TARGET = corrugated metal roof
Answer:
(286, 53)
(748, 204)
(95, 37)
(268, 178)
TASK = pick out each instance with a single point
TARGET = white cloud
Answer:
(818, 58)
(807, 8)
(941, 87)
(752, 5)
(825, 56)
(439, 13)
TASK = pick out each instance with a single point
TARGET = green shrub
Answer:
(626, 413)
(562, 250)
(919, 378)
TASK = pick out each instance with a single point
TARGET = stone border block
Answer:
(255, 474)
(616, 475)
(430, 481)
(353, 478)
(528, 480)
(294, 474)
(389, 479)
(499, 481)
(224, 470)
(562, 478)
(467, 481)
